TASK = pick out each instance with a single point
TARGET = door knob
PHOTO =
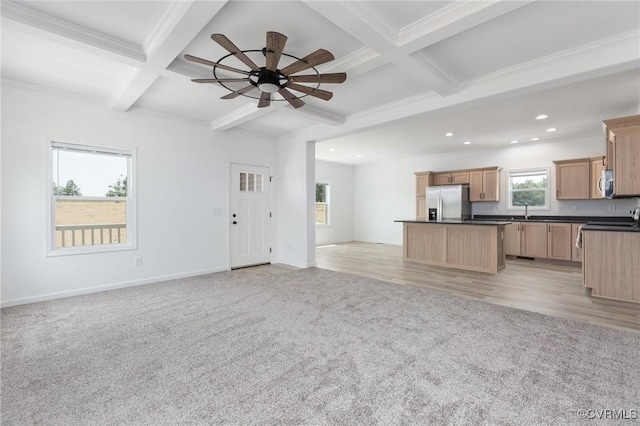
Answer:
(234, 222)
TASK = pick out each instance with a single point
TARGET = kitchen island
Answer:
(611, 265)
(470, 245)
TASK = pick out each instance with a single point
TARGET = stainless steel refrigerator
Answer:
(448, 202)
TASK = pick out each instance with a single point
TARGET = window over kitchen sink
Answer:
(530, 187)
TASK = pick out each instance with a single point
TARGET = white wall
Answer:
(182, 177)
(296, 186)
(340, 180)
(384, 192)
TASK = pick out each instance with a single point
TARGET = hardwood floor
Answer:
(549, 288)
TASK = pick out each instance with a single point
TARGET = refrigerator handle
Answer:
(439, 217)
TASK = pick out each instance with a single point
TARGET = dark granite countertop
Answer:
(457, 222)
(564, 219)
(611, 227)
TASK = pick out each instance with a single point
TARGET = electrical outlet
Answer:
(612, 207)
(217, 212)
(138, 261)
(559, 207)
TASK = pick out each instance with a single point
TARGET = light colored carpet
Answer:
(305, 347)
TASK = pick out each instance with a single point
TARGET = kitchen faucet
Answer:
(526, 211)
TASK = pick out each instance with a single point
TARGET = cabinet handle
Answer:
(600, 185)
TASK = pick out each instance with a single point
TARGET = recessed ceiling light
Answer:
(551, 129)
(535, 139)
(542, 117)
(448, 134)
(359, 155)
(515, 141)
(332, 150)
(467, 143)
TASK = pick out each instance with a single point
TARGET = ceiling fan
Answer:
(270, 79)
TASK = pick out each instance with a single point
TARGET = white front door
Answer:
(250, 219)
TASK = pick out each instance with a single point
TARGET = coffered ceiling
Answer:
(416, 69)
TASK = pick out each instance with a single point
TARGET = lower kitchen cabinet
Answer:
(528, 239)
(512, 239)
(533, 239)
(559, 241)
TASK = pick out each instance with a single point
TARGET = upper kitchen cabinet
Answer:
(451, 178)
(423, 179)
(610, 126)
(573, 179)
(626, 162)
(597, 166)
(484, 185)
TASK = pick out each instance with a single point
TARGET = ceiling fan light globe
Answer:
(268, 87)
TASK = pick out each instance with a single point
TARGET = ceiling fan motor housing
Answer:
(269, 81)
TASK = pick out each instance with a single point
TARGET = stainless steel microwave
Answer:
(607, 184)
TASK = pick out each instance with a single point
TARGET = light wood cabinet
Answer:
(626, 166)
(533, 239)
(597, 166)
(451, 178)
(610, 266)
(559, 241)
(542, 240)
(573, 179)
(527, 239)
(469, 247)
(576, 253)
(484, 185)
(610, 126)
(423, 179)
(512, 239)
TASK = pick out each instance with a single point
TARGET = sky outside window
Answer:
(91, 172)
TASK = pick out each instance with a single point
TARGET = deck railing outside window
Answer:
(89, 235)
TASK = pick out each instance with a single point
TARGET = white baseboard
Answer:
(89, 290)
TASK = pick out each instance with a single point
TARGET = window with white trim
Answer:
(322, 203)
(91, 198)
(528, 187)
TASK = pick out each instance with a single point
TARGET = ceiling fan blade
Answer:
(338, 77)
(237, 93)
(275, 46)
(265, 100)
(218, 80)
(213, 64)
(295, 102)
(318, 57)
(223, 41)
(318, 93)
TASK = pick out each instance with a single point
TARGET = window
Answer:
(92, 205)
(251, 182)
(322, 203)
(528, 187)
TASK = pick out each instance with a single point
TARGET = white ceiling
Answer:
(416, 69)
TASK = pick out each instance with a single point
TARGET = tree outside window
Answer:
(528, 187)
(322, 203)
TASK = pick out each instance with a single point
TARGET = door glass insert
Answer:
(251, 182)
